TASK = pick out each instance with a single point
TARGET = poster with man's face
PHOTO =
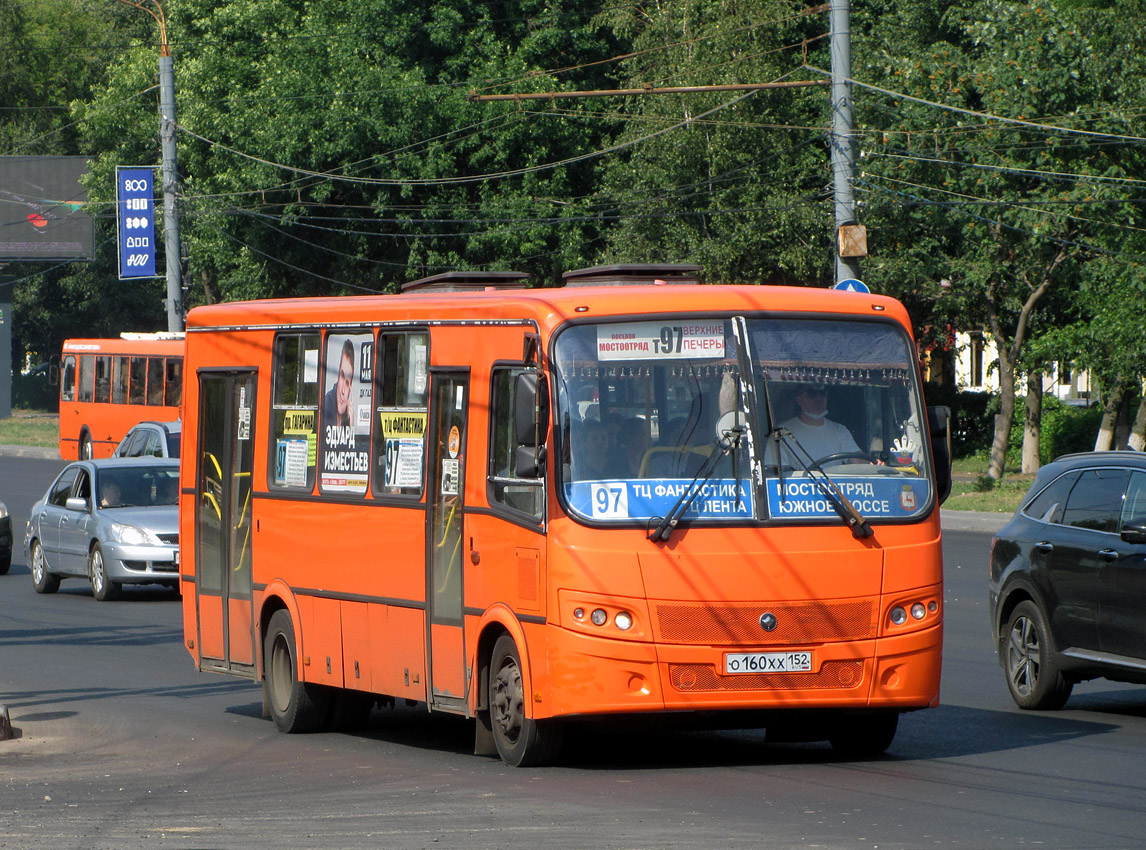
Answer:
(347, 402)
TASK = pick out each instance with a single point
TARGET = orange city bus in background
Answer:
(534, 507)
(108, 385)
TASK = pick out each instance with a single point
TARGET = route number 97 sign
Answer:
(660, 340)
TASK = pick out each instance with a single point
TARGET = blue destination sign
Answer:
(654, 497)
(874, 496)
(135, 206)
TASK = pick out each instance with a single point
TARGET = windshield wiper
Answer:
(840, 503)
(729, 442)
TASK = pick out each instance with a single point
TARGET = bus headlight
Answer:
(918, 611)
(599, 617)
(898, 615)
(623, 621)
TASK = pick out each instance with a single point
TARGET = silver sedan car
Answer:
(113, 521)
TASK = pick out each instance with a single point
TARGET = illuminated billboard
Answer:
(43, 209)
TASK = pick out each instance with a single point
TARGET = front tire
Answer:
(294, 705)
(865, 735)
(521, 741)
(1033, 676)
(103, 588)
(42, 580)
(85, 450)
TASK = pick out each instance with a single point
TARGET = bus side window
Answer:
(137, 393)
(68, 379)
(155, 380)
(505, 487)
(173, 387)
(87, 378)
(401, 404)
(294, 411)
(119, 379)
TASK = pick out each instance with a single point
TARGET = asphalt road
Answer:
(121, 744)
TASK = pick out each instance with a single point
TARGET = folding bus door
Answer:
(446, 541)
(223, 522)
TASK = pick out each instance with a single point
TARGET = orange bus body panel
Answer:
(105, 423)
(355, 568)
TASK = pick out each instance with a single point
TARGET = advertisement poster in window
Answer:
(347, 402)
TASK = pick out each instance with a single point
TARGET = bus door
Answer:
(446, 540)
(223, 522)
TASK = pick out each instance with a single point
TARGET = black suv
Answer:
(1068, 579)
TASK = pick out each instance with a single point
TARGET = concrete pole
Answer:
(171, 244)
(843, 130)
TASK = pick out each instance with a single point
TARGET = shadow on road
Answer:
(651, 743)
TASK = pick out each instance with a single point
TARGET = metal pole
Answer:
(843, 122)
(170, 212)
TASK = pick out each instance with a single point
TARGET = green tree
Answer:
(1005, 204)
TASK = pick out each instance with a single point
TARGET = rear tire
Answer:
(85, 450)
(1033, 676)
(42, 580)
(295, 706)
(520, 740)
(103, 588)
(864, 735)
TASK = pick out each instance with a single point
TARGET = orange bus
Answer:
(533, 507)
(108, 385)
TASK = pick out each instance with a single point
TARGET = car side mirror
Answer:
(75, 503)
(939, 426)
(1134, 533)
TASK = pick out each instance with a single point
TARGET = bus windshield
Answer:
(748, 412)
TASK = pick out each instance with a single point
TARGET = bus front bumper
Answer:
(591, 675)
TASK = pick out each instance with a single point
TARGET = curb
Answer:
(987, 521)
(29, 451)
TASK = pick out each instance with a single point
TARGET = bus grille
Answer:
(737, 625)
(703, 677)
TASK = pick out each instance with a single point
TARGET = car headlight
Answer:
(3, 510)
(133, 535)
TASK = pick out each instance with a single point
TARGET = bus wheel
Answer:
(294, 706)
(521, 741)
(42, 580)
(85, 446)
(864, 735)
(103, 588)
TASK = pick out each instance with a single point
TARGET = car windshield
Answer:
(138, 486)
(648, 409)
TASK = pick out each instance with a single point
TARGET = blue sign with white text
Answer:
(135, 206)
(874, 496)
(719, 498)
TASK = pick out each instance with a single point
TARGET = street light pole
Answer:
(171, 245)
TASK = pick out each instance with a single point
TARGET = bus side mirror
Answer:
(939, 426)
(530, 424)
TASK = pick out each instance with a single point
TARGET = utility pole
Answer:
(851, 237)
(172, 249)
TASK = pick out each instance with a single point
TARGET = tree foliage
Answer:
(329, 148)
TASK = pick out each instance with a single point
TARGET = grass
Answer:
(30, 428)
(973, 491)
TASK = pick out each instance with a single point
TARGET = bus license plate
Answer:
(768, 662)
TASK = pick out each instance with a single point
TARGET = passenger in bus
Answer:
(633, 440)
(591, 452)
(819, 436)
(336, 404)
